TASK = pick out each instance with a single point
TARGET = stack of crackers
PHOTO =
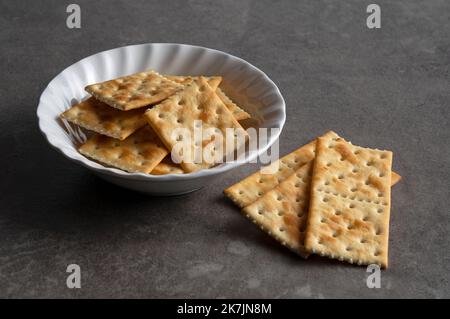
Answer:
(329, 198)
(132, 119)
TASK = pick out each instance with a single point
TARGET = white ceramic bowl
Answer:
(243, 82)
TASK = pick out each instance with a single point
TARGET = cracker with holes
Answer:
(134, 91)
(256, 185)
(238, 113)
(282, 211)
(99, 117)
(350, 203)
(141, 152)
(182, 112)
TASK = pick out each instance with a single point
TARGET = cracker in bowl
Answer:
(134, 91)
(139, 153)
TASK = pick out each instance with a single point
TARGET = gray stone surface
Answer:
(386, 88)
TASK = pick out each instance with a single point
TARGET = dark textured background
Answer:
(386, 88)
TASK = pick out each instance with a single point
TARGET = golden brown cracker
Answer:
(134, 91)
(254, 186)
(350, 203)
(238, 113)
(99, 117)
(196, 104)
(282, 212)
(141, 152)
